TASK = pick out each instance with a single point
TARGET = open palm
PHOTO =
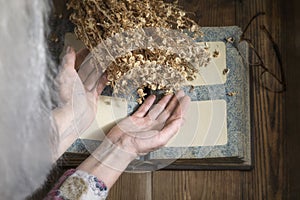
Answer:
(151, 126)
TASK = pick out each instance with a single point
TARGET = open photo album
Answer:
(217, 129)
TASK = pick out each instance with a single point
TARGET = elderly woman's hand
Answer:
(148, 129)
(151, 126)
(78, 95)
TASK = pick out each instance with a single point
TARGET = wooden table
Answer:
(269, 178)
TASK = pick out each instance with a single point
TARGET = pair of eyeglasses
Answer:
(273, 81)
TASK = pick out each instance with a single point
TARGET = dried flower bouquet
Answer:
(140, 43)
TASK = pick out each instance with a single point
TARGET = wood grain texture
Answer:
(268, 179)
(133, 186)
(191, 185)
(292, 56)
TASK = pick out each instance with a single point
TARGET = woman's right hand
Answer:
(148, 129)
(151, 126)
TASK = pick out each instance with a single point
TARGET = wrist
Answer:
(113, 155)
(107, 162)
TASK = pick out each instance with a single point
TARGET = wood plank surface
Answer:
(292, 31)
(132, 186)
(268, 179)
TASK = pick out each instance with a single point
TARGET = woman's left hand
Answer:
(78, 97)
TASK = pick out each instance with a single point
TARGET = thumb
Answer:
(101, 83)
(69, 58)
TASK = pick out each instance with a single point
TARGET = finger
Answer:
(171, 106)
(181, 109)
(80, 56)
(168, 132)
(101, 83)
(69, 58)
(88, 67)
(144, 108)
(92, 81)
(90, 74)
(159, 107)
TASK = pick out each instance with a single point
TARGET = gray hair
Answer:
(25, 122)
